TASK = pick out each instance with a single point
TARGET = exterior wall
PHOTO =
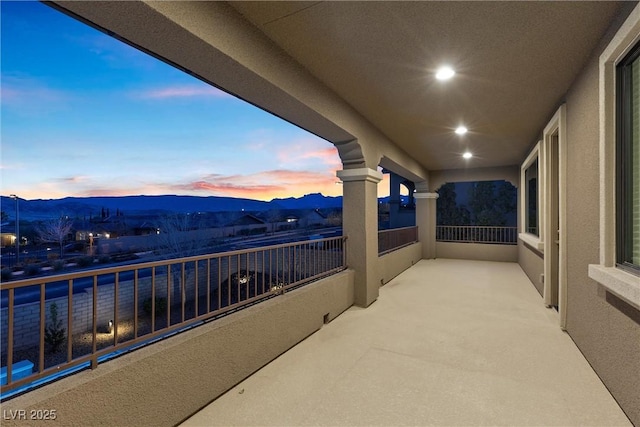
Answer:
(605, 329)
(477, 251)
(153, 241)
(394, 263)
(532, 263)
(163, 384)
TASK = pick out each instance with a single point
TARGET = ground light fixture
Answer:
(445, 73)
(467, 155)
(461, 130)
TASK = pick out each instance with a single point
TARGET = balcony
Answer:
(448, 342)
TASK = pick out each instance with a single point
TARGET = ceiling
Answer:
(514, 62)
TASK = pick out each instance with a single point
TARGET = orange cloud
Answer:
(280, 183)
(106, 192)
(265, 185)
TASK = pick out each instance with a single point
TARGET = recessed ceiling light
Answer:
(467, 155)
(461, 130)
(445, 73)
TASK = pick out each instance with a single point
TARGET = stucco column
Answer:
(360, 225)
(426, 221)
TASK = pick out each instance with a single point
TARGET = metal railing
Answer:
(99, 313)
(396, 238)
(477, 234)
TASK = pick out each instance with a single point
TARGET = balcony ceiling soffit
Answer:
(514, 62)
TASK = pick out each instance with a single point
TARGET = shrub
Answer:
(31, 269)
(103, 259)
(57, 265)
(160, 309)
(85, 261)
(54, 332)
(6, 274)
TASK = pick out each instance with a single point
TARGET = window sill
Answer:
(624, 285)
(532, 240)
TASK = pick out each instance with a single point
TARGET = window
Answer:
(531, 219)
(616, 271)
(628, 161)
(531, 198)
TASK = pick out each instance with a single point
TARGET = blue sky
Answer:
(86, 115)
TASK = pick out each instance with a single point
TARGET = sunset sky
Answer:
(83, 114)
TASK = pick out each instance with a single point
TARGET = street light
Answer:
(14, 197)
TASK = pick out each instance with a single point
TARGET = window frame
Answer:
(612, 278)
(624, 165)
(535, 241)
(529, 196)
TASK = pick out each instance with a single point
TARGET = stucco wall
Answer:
(394, 263)
(440, 177)
(477, 251)
(164, 383)
(532, 263)
(605, 329)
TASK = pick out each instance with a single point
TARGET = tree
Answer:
(274, 216)
(446, 206)
(4, 216)
(448, 212)
(482, 203)
(54, 333)
(334, 219)
(54, 231)
(506, 199)
(181, 235)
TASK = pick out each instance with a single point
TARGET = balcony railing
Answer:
(396, 238)
(71, 321)
(477, 234)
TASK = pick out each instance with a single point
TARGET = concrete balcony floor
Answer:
(448, 342)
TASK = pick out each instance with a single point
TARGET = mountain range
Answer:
(133, 205)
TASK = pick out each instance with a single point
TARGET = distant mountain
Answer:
(309, 201)
(134, 205)
(80, 206)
